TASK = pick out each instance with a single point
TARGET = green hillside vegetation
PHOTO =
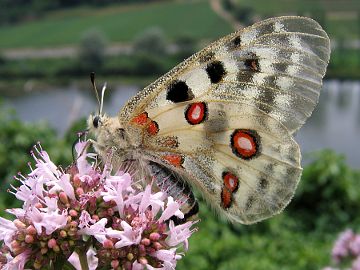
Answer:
(119, 23)
(340, 19)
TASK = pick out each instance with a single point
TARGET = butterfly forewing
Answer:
(224, 118)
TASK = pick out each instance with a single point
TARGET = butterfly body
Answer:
(223, 120)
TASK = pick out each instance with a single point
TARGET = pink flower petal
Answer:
(172, 208)
(91, 259)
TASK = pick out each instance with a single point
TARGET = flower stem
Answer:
(83, 259)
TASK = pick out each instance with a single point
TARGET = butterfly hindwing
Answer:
(234, 139)
(224, 118)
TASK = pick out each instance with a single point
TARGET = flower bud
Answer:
(76, 180)
(73, 213)
(154, 236)
(73, 224)
(20, 237)
(63, 197)
(79, 191)
(114, 264)
(108, 243)
(43, 250)
(63, 233)
(146, 241)
(31, 230)
(130, 256)
(29, 239)
(56, 248)
(157, 245)
(19, 224)
(52, 243)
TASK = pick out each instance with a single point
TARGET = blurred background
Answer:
(48, 49)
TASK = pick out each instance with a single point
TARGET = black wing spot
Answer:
(266, 100)
(252, 64)
(179, 91)
(216, 71)
(249, 203)
(237, 41)
(263, 183)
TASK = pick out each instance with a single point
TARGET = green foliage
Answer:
(327, 198)
(92, 50)
(186, 46)
(243, 13)
(19, 10)
(119, 23)
(17, 140)
(276, 243)
(152, 41)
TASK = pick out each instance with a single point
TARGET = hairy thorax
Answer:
(111, 137)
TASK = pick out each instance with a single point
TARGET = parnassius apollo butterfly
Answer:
(223, 120)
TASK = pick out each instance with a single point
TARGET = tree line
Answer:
(14, 11)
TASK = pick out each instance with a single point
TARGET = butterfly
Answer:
(223, 120)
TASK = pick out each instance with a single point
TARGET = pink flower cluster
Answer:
(85, 212)
(347, 249)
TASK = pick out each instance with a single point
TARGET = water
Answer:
(334, 124)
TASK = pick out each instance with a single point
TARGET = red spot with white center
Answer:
(196, 113)
(231, 182)
(245, 143)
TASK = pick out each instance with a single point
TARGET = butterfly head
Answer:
(108, 132)
(96, 122)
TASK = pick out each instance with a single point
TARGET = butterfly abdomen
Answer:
(173, 185)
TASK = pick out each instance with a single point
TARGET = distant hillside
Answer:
(119, 23)
(14, 11)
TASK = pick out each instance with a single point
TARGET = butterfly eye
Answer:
(96, 121)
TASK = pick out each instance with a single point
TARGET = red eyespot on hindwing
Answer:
(226, 198)
(231, 184)
(245, 143)
(196, 113)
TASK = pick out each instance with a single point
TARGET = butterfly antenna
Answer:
(92, 78)
(102, 98)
